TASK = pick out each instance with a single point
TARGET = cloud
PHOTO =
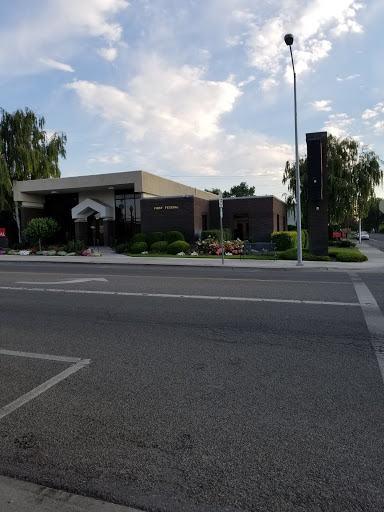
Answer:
(322, 105)
(339, 125)
(105, 159)
(317, 24)
(57, 65)
(349, 77)
(182, 103)
(109, 54)
(59, 25)
(374, 117)
(176, 126)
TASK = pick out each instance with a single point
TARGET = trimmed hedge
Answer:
(347, 244)
(139, 247)
(288, 239)
(346, 255)
(216, 234)
(178, 246)
(123, 247)
(159, 247)
(174, 236)
(155, 236)
(139, 237)
(284, 240)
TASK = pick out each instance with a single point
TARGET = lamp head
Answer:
(288, 38)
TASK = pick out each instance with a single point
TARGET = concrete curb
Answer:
(20, 496)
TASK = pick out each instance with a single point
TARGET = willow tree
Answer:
(26, 153)
(353, 174)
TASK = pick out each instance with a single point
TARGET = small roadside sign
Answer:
(220, 199)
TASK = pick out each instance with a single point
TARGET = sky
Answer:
(197, 91)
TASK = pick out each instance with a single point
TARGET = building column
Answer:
(109, 232)
(81, 230)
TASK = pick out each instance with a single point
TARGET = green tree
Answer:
(353, 175)
(374, 218)
(26, 153)
(242, 190)
(213, 191)
(39, 229)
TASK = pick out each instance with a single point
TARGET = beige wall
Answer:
(33, 191)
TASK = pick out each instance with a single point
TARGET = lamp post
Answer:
(288, 38)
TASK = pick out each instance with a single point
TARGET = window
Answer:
(128, 214)
(204, 222)
(278, 222)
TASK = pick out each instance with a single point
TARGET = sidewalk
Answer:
(375, 261)
(19, 496)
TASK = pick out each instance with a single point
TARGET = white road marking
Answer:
(22, 400)
(174, 296)
(373, 317)
(80, 280)
(7, 409)
(47, 357)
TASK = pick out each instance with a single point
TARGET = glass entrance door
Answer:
(95, 230)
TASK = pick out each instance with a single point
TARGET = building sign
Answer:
(166, 207)
(2, 232)
(339, 234)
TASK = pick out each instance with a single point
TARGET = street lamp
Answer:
(288, 38)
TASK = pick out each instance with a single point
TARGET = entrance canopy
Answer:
(89, 206)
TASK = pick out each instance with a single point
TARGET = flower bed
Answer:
(212, 246)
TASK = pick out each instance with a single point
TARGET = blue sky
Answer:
(199, 91)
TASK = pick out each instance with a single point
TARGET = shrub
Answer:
(159, 247)
(61, 253)
(174, 236)
(216, 234)
(139, 247)
(284, 240)
(342, 243)
(76, 246)
(381, 229)
(178, 246)
(288, 239)
(139, 237)
(346, 255)
(155, 236)
(123, 247)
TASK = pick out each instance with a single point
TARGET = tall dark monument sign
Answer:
(317, 193)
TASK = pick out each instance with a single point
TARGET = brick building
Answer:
(109, 207)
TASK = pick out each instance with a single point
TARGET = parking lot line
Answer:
(33, 355)
(30, 395)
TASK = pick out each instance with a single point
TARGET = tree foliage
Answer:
(26, 151)
(353, 175)
(374, 218)
(40, 228)
(241, 190)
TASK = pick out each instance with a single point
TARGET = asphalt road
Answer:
(207, 389)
